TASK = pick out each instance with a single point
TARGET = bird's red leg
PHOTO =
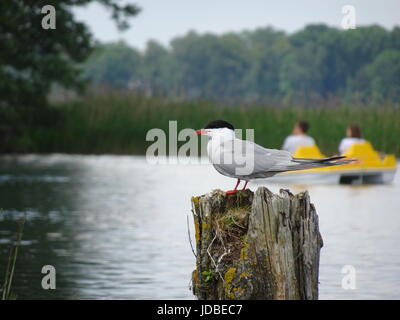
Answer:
(234, 190)
(244, 188)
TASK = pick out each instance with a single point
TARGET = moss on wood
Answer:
(256, 246)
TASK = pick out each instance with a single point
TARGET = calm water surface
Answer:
(114, 227)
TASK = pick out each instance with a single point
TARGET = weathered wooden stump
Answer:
(256, 246)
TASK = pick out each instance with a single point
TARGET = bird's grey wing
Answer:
(271, 160)
(243, 158)
(283, 161)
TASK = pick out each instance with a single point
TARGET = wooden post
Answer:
(256, 246)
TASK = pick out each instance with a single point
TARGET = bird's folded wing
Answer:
(271, 159)
(262, 159)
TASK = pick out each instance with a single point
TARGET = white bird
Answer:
(246, 160)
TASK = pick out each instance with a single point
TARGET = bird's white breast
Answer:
(214, 150)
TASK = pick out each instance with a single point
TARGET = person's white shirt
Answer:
(347, 142)
(294, 141)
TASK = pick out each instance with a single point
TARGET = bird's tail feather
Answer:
(305, 163)
(320, 160)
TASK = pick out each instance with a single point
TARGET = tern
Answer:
(246, 160)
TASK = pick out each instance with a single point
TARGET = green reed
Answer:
(118, 123)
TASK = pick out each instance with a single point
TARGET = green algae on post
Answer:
(248, 246)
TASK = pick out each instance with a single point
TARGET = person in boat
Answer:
(353, 135)
(299, 137)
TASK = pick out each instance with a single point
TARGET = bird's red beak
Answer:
(201, 131)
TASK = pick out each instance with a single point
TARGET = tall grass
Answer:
(12, 259)
(118, 123)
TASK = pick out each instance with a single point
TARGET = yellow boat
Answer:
(370, 167)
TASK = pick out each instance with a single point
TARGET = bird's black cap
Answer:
(219, 124)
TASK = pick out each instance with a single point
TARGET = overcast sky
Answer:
(163, 20)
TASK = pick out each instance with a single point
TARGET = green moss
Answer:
(195, 276)
(237, 292)
(243, 252)
(234, 217)
(207, 275)
(231, 295)
(196, 231)
(205, 226)
(229, 275)
(228, 222)
(241, 197)
(196, 202)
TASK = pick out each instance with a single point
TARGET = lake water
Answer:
(115, 227)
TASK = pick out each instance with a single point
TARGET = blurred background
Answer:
(77, 101)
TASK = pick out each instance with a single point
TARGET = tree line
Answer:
(317, 63)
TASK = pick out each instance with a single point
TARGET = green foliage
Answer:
(252, 70)
(208, 275)
(118, 123)
(158, 70)
(12, 259)
(115, 64)
(312, 66)
(32, 59)
(382, 76)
